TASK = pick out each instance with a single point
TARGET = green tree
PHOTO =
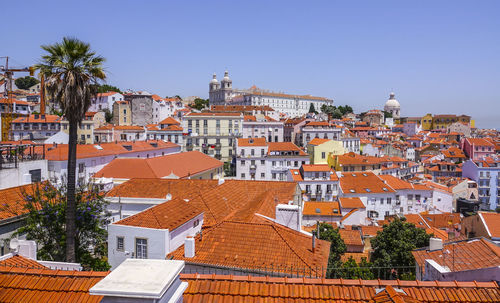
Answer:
(104, 88)
(73, 73)
(46, 222)
(346, 109)
(199, 103)
(393, 245)
(337, 248)
(387, 114)
(312, 109)
(26, 82)
(352, 270)
(108, 115)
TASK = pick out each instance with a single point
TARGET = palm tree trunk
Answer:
(71, 201)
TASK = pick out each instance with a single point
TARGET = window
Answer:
(252, 152)
(243, 162)
(242, 175)
(410, 197)
(262, 162)
(119, 243)
(389, 200)
(141, 248)
(263, 175)
(81, 167)
(323, 155)
(274, 176)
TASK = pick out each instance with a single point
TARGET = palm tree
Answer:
(72, 74)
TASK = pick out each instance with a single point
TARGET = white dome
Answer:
(392, 102)
(214, 79)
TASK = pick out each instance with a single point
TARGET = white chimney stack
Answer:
(189, 249)
(435, 244)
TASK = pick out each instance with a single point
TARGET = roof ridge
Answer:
(290, 246)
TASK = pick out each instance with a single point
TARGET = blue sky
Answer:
(437, 56)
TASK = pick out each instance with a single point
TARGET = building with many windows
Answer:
(223, 93)
(214, 134)
(486, 173)
(257, 159)
(260, 126)
(35, 127)
(320, 129)
(318, 182)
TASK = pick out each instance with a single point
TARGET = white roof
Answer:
(139, 278)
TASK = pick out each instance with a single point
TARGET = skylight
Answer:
(368, 190)
(318, 211)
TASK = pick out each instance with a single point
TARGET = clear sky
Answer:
(437, 56)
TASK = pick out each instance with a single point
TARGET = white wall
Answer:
(11, 177)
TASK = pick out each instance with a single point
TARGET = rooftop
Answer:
(178, 165)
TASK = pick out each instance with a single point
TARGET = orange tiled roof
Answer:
(167, 215)
(492, 223)
(444, 220)
(354, 202)
(159, 188)
(322, 209)
(44, 285)
(261, 246)
(106, 94)
(316, 167)
(370, 231)
(351, 237)
(462, 255)
(20, 261)
(209, 114)
(366, 182)
(38, 119)
(182, 165)
(479, 141)
(229, 288)
(60, 152)
(170, 121)
(12, 201)
(356, 159)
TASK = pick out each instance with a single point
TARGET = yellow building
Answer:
(85, 131)
(122, 113)
(319, 150)
(442, 122)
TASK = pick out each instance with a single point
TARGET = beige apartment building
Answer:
(122, 113)
(213, 134)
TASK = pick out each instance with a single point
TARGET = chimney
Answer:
(313, 243)
(189, 249)
(435, 244)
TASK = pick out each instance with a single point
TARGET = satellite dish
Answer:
(14, 244)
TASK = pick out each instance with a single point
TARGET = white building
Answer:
(257, 159)
(260, 126)
(322, 130)
(105, 101)
(292, 105)
(318, 182)
(153, 233)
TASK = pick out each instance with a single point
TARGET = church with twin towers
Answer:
(222, 93)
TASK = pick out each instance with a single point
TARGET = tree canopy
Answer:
(26, 82)
(199, 103)
(336, 112)
(387, 114)
(104, 88)
(312, 109)
(337, 249)
(393, 245)
(45, 223)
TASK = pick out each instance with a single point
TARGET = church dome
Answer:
(214, 79)
(226, 77)
(392, 102)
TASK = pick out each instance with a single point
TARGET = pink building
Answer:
(477, 148)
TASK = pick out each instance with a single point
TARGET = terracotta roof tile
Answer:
(462, 255)
(219, 288)
(252, 142)
(182, 165)
(38, 119)
(168, 215)
(492, 223)
(351, 237)
(20, 261)
(354, 202)
(284, 146)
(366, 182)
(318, 141)
(260, 246)
(322, 209)
(35, 285)
(159, 188)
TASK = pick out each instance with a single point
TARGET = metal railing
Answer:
(12, 155)
(367, 273)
